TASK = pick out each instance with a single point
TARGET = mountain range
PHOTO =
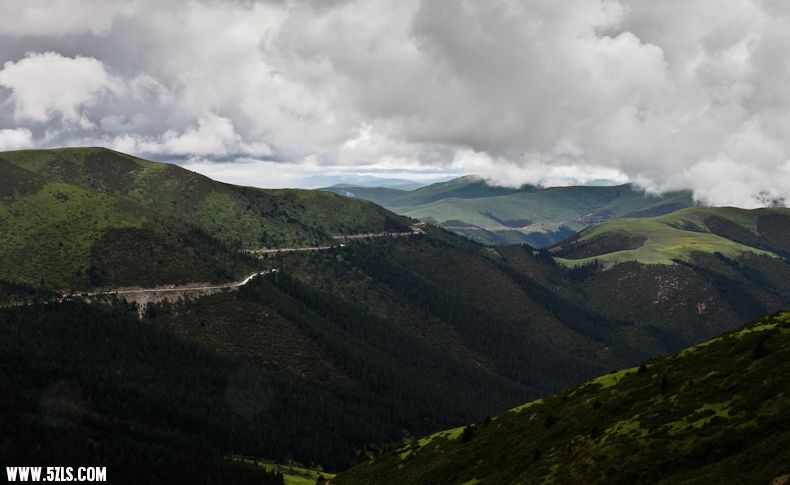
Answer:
(340, 344)
(530, 215)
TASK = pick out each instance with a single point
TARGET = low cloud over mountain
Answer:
(669, 95)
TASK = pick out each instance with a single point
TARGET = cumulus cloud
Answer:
(214, 136)
(47, 85)
(15, 139)
(670, 95)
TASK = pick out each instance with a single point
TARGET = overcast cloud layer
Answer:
(669, 94)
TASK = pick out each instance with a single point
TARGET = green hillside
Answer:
(715, 413)
(243, 216)
(78, 218)
(48, 234)
(64, 236)
(678, 236)
(687, 272)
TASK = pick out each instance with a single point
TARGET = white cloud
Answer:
(533, 171)
(17, 139)
(214, 136)
(726, 182)
(47, 85)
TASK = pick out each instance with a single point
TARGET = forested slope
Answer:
(714, 413)
(91, 385)
(452, 330)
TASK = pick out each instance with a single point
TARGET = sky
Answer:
(669, 94)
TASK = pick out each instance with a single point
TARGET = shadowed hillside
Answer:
(91, 385)
(680, 235)
(714, 413)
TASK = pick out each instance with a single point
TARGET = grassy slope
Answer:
(674, 236)
(484, 283)
(133, 222)
(74, 237)
(48, 234)
(544, 210)
(245, 216)
(714, 413)
(296, 475)
(663, 301)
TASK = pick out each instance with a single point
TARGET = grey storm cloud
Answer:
(667, 94)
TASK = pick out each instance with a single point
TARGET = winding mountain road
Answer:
(178, 288)
(415, 229)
